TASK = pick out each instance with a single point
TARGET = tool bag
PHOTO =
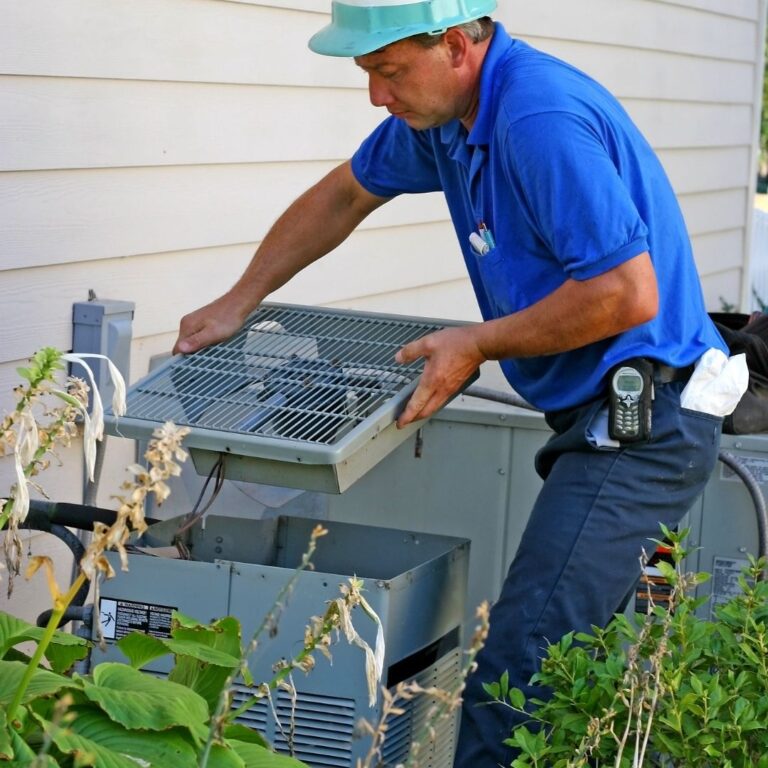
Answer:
(747, 334)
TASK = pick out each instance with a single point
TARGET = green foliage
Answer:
(42, 366)
(666, 690)
(118, 716)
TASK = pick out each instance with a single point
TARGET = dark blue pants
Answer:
(579, 556)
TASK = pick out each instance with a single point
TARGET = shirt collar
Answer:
(500, 45)
(452, 134)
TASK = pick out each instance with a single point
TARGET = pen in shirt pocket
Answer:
(486, 234)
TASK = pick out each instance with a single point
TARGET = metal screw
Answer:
(502, 471)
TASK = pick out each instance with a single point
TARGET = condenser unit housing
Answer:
(416, 583)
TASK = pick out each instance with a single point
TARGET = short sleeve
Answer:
(396, 159)
(577, 200)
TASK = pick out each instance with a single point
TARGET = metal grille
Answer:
(320, 729)
(302, 397)
(413, 723)
(292, 372)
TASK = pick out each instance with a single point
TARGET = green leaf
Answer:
(239, 732)
(84, 751)
(140, 649)
(22, 753)
(667, 571)
(182, 620)
(517, 698)
(254, 756)
(93, 731)
(206, 680)
(493, 690)
(138, 700)
(62, 656)
(6, 748)
(224, 757)
(504, 684)
(43, 683)
(62, 652)
(204, 653)
(223, 634)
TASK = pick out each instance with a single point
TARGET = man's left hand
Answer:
(452, 356)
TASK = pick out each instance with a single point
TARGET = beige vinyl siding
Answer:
(147, 145)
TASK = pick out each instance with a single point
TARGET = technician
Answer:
(582, 266)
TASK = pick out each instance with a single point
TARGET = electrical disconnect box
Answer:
(103, 327)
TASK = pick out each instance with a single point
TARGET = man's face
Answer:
(416, 84)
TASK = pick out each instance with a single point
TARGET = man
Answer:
(579, 257)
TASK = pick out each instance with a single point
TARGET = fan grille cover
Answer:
(302, 385)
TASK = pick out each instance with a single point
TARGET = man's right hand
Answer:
(208, 325)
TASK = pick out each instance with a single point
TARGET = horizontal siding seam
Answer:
(708, 11)
(644, 48)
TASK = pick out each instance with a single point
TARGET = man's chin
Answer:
(417, 122)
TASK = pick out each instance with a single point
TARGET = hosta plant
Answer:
(663, 690)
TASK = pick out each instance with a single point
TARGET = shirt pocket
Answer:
(497, 274)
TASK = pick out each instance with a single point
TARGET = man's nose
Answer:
(378, 92)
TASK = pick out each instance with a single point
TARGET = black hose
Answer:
(79, 516)
(73, 613)
(57, 518)
(77, 549)
(746, 476)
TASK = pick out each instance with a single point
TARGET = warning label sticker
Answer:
(757, 466)
(725, 579)
(119, 618)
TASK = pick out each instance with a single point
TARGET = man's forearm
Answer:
(576, 314)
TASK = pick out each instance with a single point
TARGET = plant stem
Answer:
(60, 606)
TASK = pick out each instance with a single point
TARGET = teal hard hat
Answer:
(361, 26)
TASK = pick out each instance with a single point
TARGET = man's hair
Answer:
(477, 31)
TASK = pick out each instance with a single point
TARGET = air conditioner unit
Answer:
(301, 397)
(416, 583)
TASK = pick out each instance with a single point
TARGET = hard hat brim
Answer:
(332, 41)
(356, 31)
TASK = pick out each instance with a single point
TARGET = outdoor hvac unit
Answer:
(301, 397)
(304, 398)
(416, 583)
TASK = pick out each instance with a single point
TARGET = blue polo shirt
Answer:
(561, 184)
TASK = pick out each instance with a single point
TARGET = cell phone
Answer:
(630, 401)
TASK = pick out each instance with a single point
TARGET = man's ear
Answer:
(458, 46)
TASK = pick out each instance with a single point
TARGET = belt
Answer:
(664, 374)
